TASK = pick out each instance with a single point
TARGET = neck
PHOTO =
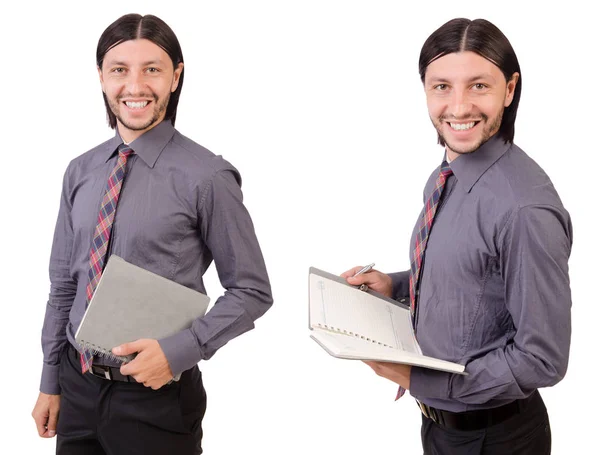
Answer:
(451, 154)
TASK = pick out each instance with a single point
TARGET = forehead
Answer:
(137, 51)
(462, 66)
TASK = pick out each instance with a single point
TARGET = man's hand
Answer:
(150, 367)
(395, 372)
(376, 280)
(45, 414)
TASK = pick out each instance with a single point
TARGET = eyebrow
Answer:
(478, 77)
(122, 63)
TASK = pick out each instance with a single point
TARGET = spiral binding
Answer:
(356, 335)
(98, 350)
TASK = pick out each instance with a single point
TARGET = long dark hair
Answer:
(135, 26)
(484, 38)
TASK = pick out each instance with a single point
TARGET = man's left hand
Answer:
(395, 372)
(150, 367)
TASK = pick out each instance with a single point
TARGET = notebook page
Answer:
(347, 347)
(341, 308)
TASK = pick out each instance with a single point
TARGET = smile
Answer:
(136, 104)
(462, 126)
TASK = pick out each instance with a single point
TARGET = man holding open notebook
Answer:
(488, 285)
(166, 204)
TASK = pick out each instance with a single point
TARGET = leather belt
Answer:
(476, 419)
(109, 373)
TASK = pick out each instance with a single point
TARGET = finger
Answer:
(130, 369)
(40, 423)
(368, 278)
(371, 363)
(352, 271)
(52, 420)
(377, 367)
(129, 348)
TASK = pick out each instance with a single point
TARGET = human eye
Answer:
(479, 86)
(152, 70)
(118, 70)
(441, 87)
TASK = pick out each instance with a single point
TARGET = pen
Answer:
(365, 269)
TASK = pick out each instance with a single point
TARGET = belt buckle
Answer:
(101, 371)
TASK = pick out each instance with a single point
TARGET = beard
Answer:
(159, 110)
(490, 128)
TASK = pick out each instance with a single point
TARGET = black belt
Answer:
(477, 419)
(102, 371)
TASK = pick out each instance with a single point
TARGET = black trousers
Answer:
(526, 433)
(101, 417)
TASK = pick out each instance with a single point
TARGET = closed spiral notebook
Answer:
(132, 303)
(364, 325)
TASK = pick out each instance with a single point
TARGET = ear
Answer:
(510, 89)
(101, 78)
(176, 76)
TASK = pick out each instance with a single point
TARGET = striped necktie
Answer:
(102, 232)
(423, 230)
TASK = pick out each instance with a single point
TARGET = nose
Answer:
(135, 83)
(460, 105)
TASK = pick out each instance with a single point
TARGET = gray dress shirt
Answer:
(179, 209)
(494, 291)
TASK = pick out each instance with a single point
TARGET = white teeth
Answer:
(136, 104)
(462, 126)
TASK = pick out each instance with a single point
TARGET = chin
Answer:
(136, 125)
(463, 149)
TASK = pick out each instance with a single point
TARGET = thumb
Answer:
(351, 272)
(356, 279)
(129, 348)
(363, 278)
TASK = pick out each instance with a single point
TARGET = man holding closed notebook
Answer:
(489, 284)
(160, 201)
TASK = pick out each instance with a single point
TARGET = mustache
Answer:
(448, 118)
(137, 95)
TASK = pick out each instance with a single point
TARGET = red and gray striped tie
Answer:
(102, 232)
(424, 228)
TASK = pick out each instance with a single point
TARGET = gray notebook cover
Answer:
(132, 303)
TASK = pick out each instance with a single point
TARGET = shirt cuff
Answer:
(428, 383)
(49, 383)
(181, 350)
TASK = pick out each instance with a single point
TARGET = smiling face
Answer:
(138, 78)
(466, 97)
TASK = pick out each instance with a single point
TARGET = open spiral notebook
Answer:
(364, 325)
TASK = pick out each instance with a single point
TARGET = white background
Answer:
(320, 107)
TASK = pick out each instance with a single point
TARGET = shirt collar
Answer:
(469, 167)
(148, 146)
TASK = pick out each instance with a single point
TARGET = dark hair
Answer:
(135, 26)
(484, 38)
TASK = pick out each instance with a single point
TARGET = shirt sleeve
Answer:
(534, 250)
(400, 287)
(227, 230)
(62, 293)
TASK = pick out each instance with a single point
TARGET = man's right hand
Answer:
(376, 280)
(45, 414)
